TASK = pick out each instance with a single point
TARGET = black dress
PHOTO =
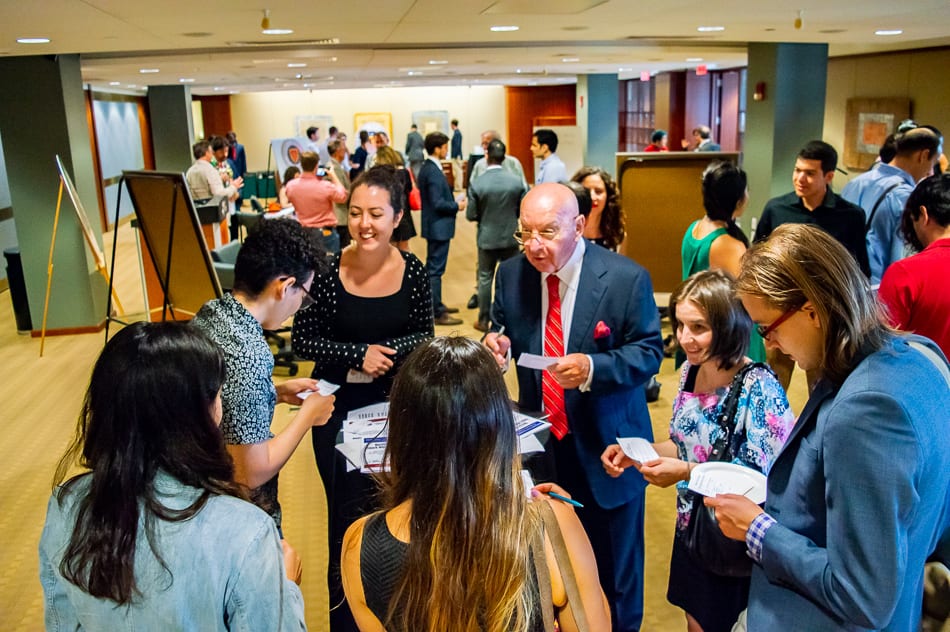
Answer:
(406, 229)
(335, 333)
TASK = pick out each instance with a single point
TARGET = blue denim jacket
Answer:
(225, 571)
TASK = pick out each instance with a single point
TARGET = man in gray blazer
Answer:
(337, 150)
(494, 201)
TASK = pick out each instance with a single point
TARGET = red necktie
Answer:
(551, 392)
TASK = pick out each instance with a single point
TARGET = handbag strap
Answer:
(412, 179)
(556, 538)
(723, 449)
(543, 575)
(867, 226)
(935, 359)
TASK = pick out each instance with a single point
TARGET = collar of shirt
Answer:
(438, 163)
(886, 170)
(490, 167)
(569, 276)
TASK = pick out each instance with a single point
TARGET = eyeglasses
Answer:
(766, 330)
(548, 234)
(308, 298)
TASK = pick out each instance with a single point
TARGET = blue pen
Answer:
(569, 501)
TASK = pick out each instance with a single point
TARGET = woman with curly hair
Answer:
(605, 223)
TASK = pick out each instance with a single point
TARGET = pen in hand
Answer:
(569, 501)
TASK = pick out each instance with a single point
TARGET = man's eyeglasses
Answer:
(308, 298)
(766, 330)
(548, 234)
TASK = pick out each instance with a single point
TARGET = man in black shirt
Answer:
(813, 202)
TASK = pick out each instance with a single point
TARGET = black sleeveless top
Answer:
(382, 557)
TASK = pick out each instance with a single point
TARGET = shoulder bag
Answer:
(553, 531)
(415, 195)
(702, 537)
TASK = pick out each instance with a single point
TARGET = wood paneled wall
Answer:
(524, 105)
(216, 113)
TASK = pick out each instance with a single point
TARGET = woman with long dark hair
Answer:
(156, 532)
(604, 225)
(452, 548)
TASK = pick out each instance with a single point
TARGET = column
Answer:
(597, 118)
(43, 115)
(169, 114)
(790, 115)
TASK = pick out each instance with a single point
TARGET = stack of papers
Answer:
(365, 431)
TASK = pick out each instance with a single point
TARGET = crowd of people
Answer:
(176, 520)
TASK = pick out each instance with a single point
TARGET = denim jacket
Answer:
(225, 570)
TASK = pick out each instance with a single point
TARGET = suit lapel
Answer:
(530, 293)
(809, 415)
(590, 291)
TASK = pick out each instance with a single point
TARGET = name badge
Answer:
(358, 377)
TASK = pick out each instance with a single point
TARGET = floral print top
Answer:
(763, 422)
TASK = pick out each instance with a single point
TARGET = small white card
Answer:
(533, 361)
(358, 377)
(528, 444)
(527, 482)
(709, 485)
(638, 449)
(525, 425)
(323, 387)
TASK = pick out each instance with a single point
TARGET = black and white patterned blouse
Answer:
(248, 395)
(337, 330)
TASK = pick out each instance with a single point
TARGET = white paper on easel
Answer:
(638, 449)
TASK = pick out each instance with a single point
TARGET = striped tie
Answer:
(551, 391)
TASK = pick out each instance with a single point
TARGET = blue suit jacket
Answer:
(860, 492)
(438, 206)
(617, 291)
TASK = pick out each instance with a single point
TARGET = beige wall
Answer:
(259, 117)
(920, 75)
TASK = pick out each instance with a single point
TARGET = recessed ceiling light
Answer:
(186, 80)
(413, 73)
(518, 70)
(131, 85)
(296, 64)
(437, 62)
(710, 29)
(570, 60)
(218, 88)
(32, 40)
(277, 31)
(888, 32)
(694, 60)
(114, 83)
(235, 92)
(504, 29)
(148, 71)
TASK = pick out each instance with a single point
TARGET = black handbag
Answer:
(702, 538)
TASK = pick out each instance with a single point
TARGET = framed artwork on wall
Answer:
(868, 123)
(322, 121)
(429, 121)
(373, 122)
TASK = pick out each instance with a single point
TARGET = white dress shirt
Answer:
(569, 276)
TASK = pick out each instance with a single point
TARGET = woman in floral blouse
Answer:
(713, 329)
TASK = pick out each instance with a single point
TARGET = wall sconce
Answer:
(759, 93)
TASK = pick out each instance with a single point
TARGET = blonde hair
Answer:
(468, 562)
(800, 264)
(386, 155)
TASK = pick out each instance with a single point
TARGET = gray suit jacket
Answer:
(494, 201)
(342, 209)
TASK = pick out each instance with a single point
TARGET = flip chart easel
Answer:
(65, 182)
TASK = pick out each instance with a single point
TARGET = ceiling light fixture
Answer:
(148, 71)
(710, 29)
(296, 64)
(800, 20)
(888, 32)
(504, 29)
(114, 83)
(437, 62)
(570, 60)
(32, 40)
(694, 60)
(186, 80)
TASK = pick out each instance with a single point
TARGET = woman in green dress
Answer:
(716, 241)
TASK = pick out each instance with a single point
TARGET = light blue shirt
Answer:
(552, 170)
(884, 241)
(225, 570)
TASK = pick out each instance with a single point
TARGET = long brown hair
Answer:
(801, 263)
(468, 562)
(611, 220)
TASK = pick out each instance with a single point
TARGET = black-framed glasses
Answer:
(308, 298)
(766, 330)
